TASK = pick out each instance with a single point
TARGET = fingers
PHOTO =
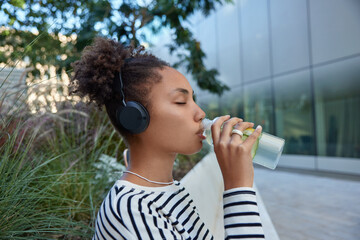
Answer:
(241, 126)
(225, 134)
(244, 125)
(216, 128)
(249, 142)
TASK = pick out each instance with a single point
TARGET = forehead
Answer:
(172, 83)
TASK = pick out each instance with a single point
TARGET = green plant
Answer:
(49, 184)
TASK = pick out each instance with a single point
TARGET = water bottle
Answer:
(266, 151)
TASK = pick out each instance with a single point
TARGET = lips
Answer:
(201, 136)
(200, 133)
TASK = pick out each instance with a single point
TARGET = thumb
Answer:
(253, 137)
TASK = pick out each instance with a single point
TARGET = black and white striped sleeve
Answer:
(241, 214)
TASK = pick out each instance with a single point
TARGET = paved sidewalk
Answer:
(304, 206)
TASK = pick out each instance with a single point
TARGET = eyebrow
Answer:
(183, 90)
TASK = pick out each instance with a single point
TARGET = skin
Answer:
(174, 128)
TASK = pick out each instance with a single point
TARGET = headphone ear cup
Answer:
(133, 117)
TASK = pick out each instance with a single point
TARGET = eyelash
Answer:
(180, 103)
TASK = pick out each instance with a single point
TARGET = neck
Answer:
(150, 163)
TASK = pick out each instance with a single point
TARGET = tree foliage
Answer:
(62, 29)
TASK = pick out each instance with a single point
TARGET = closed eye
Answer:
(181, 103)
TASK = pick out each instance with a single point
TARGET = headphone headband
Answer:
(118, 82)
(121, 89)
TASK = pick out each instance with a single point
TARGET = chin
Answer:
(193, 149)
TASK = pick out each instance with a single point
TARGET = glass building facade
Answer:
(293, 67)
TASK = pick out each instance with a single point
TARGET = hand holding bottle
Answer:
(234, 154)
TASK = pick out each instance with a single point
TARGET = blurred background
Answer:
(294, 68)
(291, 66)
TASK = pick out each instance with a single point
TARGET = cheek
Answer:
(167, 116)
(170, 123)
(165, 122)
(175, 137)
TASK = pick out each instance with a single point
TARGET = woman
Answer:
(146, 203)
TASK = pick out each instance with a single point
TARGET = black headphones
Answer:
(131, 115)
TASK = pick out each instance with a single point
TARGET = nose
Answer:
(200, 114)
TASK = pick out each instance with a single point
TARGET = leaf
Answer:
(80, 17)
(12, 21)
(18, 3)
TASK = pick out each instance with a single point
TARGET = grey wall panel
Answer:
(335, 164)
(258, 107)
(206, 34)
(335, 28)
(294, 112)
(232, 102)
(228, 44)
(255, 39)
(337, 100)
(297, 161)
(289, 32)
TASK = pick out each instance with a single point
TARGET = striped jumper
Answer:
(131, 211)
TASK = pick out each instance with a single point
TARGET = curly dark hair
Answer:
(95, 73)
